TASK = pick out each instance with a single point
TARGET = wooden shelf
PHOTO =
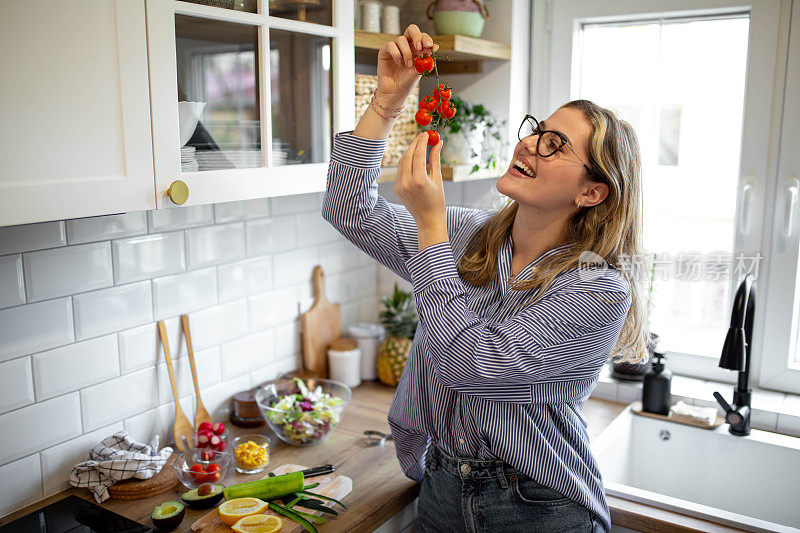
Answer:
(455, 174)
(457, 47)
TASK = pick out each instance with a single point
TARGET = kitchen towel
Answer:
(116, 458)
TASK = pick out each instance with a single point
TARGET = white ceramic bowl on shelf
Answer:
(188, 116)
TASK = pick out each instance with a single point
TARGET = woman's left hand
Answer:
(419, 188)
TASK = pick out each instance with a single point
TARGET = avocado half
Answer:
(168, 515)
(204, 496)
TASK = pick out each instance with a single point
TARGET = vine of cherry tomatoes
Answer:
(435, 106)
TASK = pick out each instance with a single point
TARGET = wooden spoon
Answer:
(200, 413)
(182, 429)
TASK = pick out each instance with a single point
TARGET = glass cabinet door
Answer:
(243, 101)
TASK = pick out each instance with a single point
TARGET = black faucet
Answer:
(736, 356)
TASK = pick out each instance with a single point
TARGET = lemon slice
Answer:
(234, 510)
(260, 523)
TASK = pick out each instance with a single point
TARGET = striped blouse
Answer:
(484, 379)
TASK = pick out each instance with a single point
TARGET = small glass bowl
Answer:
(185, 461)
(260, 440)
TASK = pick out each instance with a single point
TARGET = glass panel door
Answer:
(218, 94)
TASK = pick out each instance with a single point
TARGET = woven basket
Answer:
(405, 127)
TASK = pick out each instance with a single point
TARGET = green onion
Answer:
(292, 515)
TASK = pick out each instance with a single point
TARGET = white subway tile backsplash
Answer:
(339, 257)
(213, 325)
(12, 281)
(26, 486)
(215, 244)
(270, 235)
(159, 421)
(246, 354)
(180, 218)
(350, 285)
(243, 210)
(296, 203)
(148, 256)
(104, 280)
(119, 398)
(243, 278)
(40, 426)
(209, 372)
(16, 384)
(57, 462)
(29, 237)
(75, 366)
(273, 308)
(35, 327)
(287, 340)
(141, 347)
(67, 270)
(83, 230)
(182, 293)
(293, 268)
(313, 230)
(112, 309)
(218, 397)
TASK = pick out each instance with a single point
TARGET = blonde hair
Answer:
(611, 229)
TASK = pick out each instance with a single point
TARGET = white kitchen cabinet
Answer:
(75, 135)
(267, 90)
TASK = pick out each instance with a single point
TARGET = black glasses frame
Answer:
(540, 132)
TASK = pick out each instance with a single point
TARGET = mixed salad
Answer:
(305, 415)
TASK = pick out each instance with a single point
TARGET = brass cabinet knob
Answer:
(178, 192)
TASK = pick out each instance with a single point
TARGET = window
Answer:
(697, 83)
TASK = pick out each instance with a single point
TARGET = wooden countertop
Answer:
(380, 489)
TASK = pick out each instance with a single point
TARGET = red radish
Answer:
(221, 447)
(214, 442)
(207, 455)
(202, 439)
(205, 426)
(218, 428)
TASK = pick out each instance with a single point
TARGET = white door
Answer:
(75, 135)
(245, 101)
(696, 80)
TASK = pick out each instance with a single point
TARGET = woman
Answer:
(514, 327)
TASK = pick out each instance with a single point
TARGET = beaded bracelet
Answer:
(385, 112)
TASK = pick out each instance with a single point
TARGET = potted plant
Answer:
(458, 17)
(399, 317)
(466, 133)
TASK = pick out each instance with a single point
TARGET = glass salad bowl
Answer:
(303, 413)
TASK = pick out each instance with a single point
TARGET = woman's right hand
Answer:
(396, 73)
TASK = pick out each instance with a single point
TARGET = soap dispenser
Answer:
(656, 397)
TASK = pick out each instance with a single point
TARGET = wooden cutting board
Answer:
(322, 324)
(134, 489)
(332, 485)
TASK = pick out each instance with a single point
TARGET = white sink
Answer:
(748, 482)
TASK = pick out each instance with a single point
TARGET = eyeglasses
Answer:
(549, 142)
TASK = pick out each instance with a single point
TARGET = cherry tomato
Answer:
(198, 472)
(212, 473)
(423, 117)
(427, 63)
(443, 92)
(433, 137)
(428, 103)
(419, 64)
(448, 109)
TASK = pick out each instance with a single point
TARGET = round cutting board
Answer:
(134, 489)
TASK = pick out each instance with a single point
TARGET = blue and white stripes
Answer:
(484, 379)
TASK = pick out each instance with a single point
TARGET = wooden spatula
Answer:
(200, 413)
(182, 426)
(322, 324)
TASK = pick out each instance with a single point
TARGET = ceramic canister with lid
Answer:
(344, 362)
(371, 16)
(368, 337)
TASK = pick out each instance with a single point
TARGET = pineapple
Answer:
(399, 317)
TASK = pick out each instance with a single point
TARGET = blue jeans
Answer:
(465, 495)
